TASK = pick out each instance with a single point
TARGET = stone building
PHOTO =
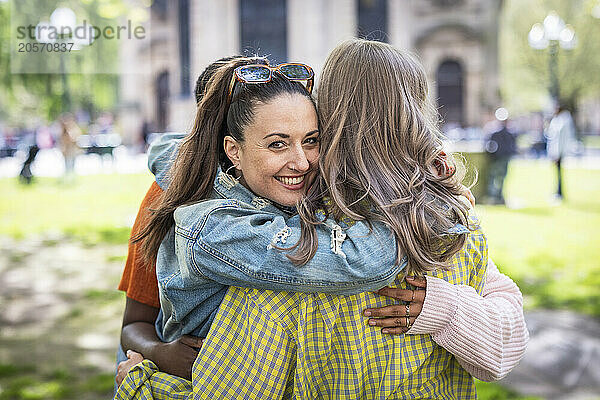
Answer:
(457, 41)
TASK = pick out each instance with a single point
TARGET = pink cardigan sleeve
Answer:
(487, 333)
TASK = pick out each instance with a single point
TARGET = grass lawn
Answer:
(98, 208)
(592, 141)
(551, 250)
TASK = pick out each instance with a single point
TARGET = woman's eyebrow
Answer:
(286, 136)
(283, 135)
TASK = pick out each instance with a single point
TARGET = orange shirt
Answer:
(139, 277)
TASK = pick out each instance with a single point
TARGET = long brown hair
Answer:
(201, 152)
(379, 140)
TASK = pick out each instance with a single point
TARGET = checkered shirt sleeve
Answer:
(146, 382)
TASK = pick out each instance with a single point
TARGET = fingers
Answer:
(122, 370)
(394, 331)
(393, 326)
(466, 192)
(134, 356)
(404, 294)
(398, 310)
(392, 322)
(470, 197)
(124, 366)
(119, 379)
(418, 282)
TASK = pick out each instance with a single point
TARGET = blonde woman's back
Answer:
(266, 344)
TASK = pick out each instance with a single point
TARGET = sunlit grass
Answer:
(493, 391)
(94, 209)
(551, 250)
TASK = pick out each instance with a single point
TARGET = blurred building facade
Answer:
(457, 41)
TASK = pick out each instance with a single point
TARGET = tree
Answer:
(26, 96)
(525, 71)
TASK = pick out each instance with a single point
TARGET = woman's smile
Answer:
(291, 182)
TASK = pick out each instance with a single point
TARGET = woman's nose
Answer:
(299, 161)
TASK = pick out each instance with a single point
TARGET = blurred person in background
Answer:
(500, 147)
(30, 140)
(561, 137)
(145, 132)
(70, 131)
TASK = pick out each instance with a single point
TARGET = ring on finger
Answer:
(407, 322)
(413, 295)
(407, 309)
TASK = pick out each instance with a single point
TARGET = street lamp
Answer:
(552, 34)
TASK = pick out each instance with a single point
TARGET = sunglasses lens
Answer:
(254, 73)
(295, 71)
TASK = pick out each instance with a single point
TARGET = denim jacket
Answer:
(231, 240)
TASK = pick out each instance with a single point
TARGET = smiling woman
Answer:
(279, 151)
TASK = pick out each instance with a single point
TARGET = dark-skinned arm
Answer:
(138, 334)
(141, 309)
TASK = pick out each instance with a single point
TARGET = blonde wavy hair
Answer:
(379, 142)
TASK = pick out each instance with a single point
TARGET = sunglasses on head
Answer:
(260, 73)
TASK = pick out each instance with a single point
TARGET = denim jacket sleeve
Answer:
(232, 243)
(161, 154)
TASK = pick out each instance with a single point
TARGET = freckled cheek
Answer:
(313, 157)
(267, 168)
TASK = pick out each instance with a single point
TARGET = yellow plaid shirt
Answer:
(271, 345)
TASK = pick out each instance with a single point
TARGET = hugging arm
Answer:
(486, 333)
(141, 308)
(235, 245)
(139, 334)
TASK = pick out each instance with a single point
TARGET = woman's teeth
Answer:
(290, 181)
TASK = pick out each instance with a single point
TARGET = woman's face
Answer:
(280, 149)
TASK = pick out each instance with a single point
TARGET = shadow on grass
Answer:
(64, 355)
(50, 365)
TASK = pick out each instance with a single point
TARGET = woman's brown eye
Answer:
(277, 145)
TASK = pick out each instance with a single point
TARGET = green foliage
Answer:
(34, 96)
(525, 71)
